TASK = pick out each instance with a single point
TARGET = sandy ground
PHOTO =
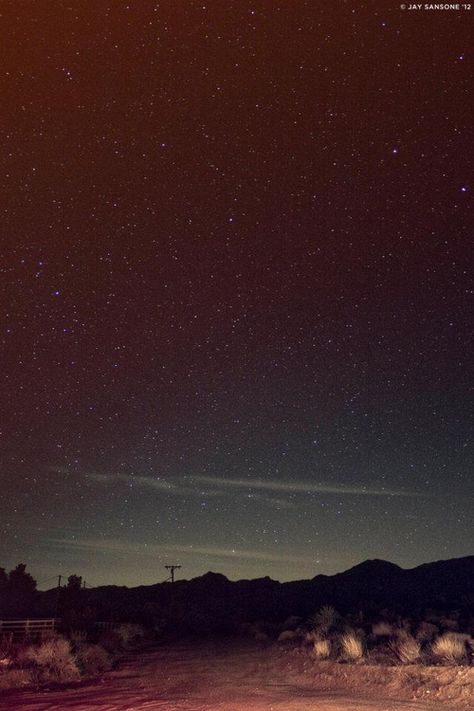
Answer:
(232, 676)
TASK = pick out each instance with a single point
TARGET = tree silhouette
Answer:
(18, 591)
(74, 582)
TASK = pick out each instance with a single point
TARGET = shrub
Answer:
(111, 641)
(448, 623)
(77, 637)
(129, 633)
(54, 660)
(311, 637)
(93, 659)
(15, 678)
(382, 629)
(351, 646)
(449, 647)
(326, 618)
(426, 631)
(288, 636)
(322, 648)
(406, 648)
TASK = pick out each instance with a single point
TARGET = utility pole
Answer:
(58, 593)
(172, 568)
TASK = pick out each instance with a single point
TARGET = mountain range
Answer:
(213, 600)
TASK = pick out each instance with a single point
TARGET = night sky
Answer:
(236, 287)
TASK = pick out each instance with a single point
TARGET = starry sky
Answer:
(235, 287)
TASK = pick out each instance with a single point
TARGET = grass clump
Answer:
(406, 648)
(352, 647)
(322, 648)
(450, 648)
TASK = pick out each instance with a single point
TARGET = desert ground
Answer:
(237, 676)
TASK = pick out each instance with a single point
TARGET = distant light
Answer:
(463, 189)
(56, 293)
(394, 150)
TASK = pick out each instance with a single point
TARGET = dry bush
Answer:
(382, 629)
(326, 618)
(426, 631)
(448, 623)
(322, 648)
(15, 679)
(93, 659)
(311, 637)
(77, 637)
(6, 647)
(129, 633)
(450, 647)
(406, 648)
(54, 660)
(111, 641)
(288, 636)
(351, 646)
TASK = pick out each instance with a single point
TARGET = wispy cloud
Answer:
(132, 480)
(300, 487)
(193, 487)
(259, 490)
(155, 550)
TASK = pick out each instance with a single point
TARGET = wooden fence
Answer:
(27, 629)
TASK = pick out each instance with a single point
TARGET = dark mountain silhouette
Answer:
(212, 602)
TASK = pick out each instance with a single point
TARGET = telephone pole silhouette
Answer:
(171, 568)
(58, 593)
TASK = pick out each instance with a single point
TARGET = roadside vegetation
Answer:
(60, 659)
(327, 635)
(422, 645)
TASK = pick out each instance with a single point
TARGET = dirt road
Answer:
(204, 677)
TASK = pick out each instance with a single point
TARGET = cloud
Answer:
(299, 487)
(258, 490)
(155, 550)
(156, 483)
(169, 487)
